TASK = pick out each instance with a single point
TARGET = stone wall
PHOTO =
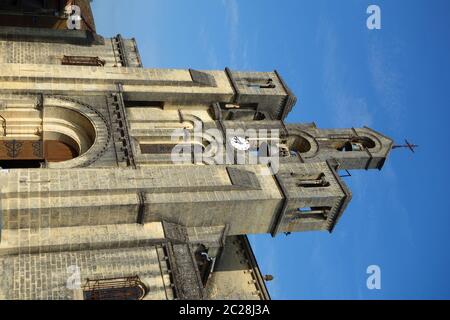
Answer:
(46, 275)
(27, 52)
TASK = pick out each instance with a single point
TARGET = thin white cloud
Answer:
(210, 52)
(237, 58)
(349, 110)
(387, 80)
(402, 212)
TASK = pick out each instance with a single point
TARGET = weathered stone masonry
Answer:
(89, 191)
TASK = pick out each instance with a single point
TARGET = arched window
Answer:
(357, 144)
(298, 145)
(31, 141)
(130, 288)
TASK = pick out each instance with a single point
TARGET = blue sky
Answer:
(395, 80)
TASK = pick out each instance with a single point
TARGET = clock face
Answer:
(240, 143)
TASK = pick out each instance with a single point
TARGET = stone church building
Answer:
(92, 205)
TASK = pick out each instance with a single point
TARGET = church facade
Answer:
(123, 182)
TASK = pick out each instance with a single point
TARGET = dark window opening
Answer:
(261, 83)
(240, 115)
(131, 288)
(157, 148)
(314, 182)
(248, 106)
(243, 111)
(205, 263)
(20, 164)
(185, 152)
(259, 116)
(268, 85)
(319, 213)
(83, 61)
(284, 150)
(351, 146)
(357, 144)
(168, 148)
(149, 104)
(241, 106)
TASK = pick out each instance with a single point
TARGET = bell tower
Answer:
(314, 197)
(314, 194)
(348, 149)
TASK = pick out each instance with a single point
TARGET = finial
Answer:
(407, 145)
